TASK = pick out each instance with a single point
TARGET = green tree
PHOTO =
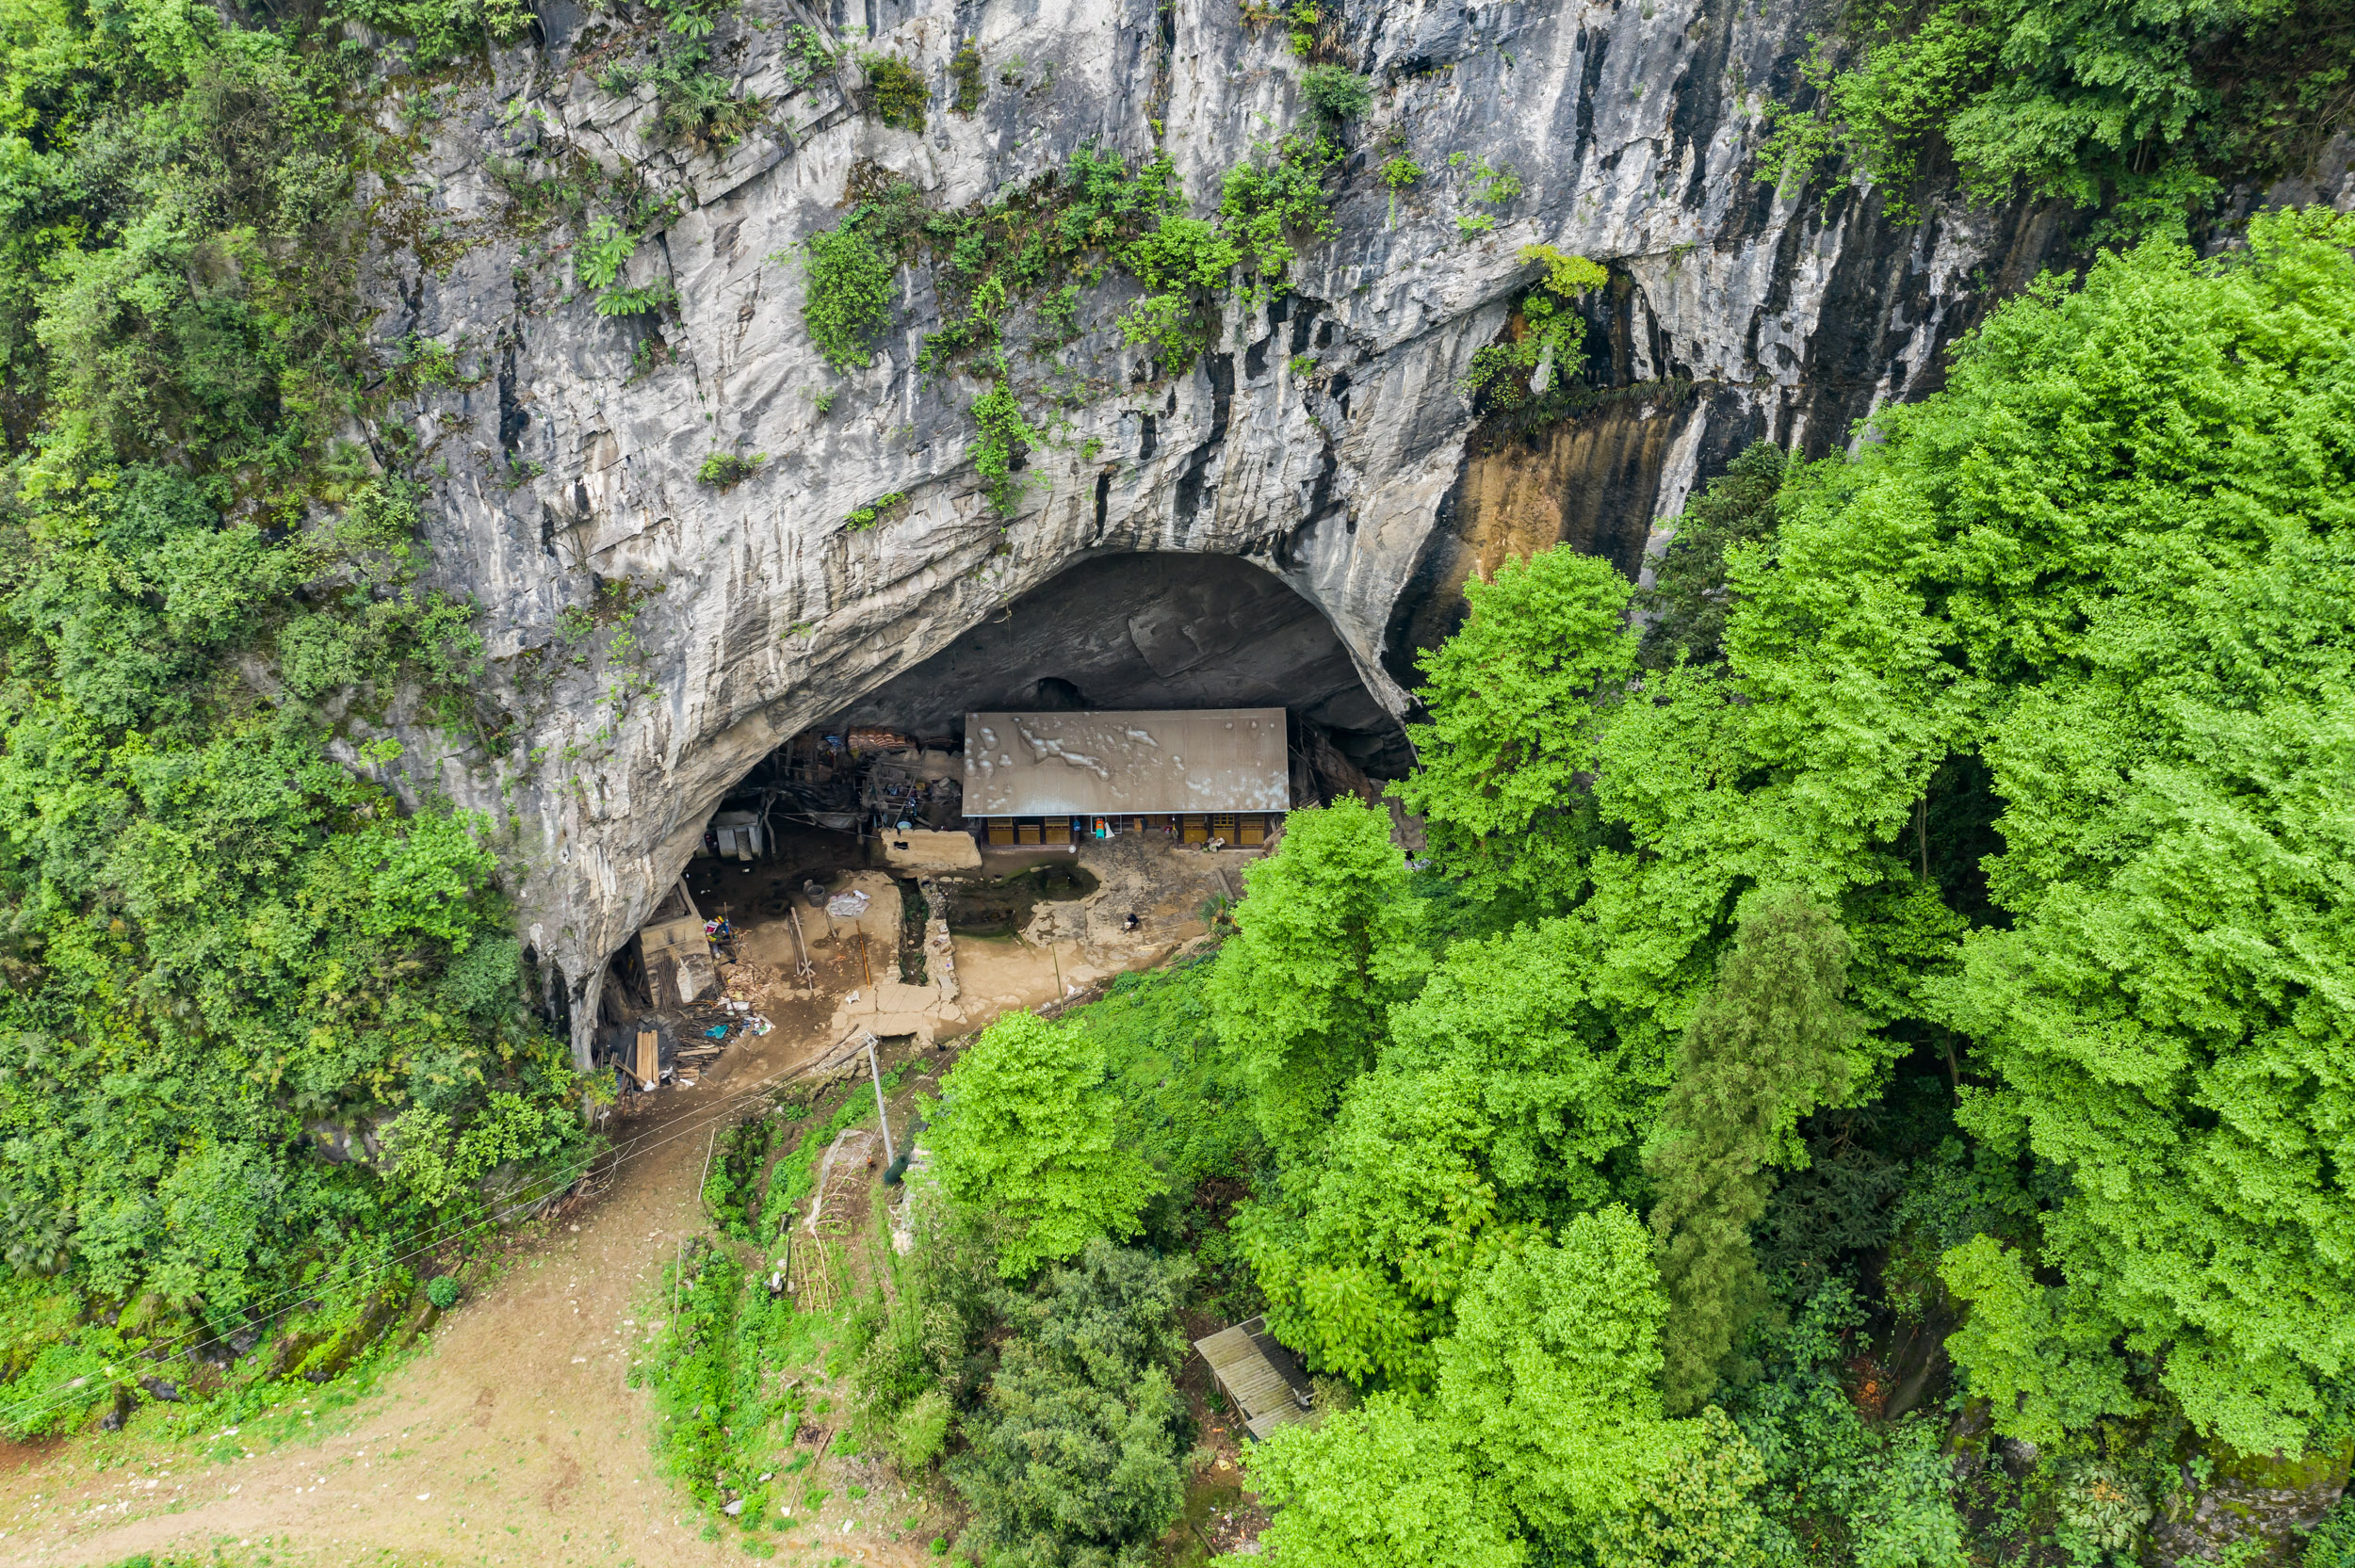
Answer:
(1700, 1511)
(1563, 1092)
(2100, 565)
(1362, 1251)
(2042, 1356)
(1500, 1099)
(1517, 699)
(220, 939)
(1024, 1134)
(1074, 1456)
(1323, 947)
(1379, 1486)
(1768, 1045)
(1552, 1374)
(1688, 601)
(1545, 1421)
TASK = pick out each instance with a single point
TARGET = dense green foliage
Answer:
(1338, 93)
(217, 934)
(2162, 454)
(2149, 107)
(1518, 699)
(1074, 1456)
(1878, 1494)
(2332, 1544)
(1544, 1428)
(1545, 337)
(1769, 1045)
(1932, 925)
(1928, 928)
(1299, 998)
(1021, 1133)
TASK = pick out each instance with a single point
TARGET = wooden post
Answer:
(882, 1115)
(711, 1144)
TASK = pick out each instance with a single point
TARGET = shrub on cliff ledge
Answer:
(849, 295)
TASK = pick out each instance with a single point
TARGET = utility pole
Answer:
(882, 1115)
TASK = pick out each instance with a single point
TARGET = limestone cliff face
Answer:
(1323, 439)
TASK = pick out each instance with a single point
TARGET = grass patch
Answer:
(721, 1373)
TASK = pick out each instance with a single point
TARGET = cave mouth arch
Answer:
(1161, 630)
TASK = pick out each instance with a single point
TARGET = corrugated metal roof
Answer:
(1085, 763)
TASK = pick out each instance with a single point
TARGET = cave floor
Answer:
(1063, 947)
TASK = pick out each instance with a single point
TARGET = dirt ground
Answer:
(510, 1435)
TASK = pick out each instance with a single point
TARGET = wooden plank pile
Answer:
(701, 1054)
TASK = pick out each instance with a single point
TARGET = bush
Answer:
(1271, 198)
(441, 1290)
(1337, 93)
(863, 518)
(895, 91)
(848, 294)
(729, 469)
(1006, 436)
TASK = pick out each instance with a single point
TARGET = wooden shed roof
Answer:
(1262, 1377)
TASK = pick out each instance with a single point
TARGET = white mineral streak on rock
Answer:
(572, 461)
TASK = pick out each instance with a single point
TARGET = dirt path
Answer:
(510, 1437)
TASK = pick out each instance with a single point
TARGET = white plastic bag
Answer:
(849, 906)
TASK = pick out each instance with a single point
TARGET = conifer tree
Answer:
(1768, 1045)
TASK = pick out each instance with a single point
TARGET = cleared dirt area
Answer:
(509, 1436)
(511, 1433)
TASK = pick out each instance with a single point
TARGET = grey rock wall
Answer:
(565, 495)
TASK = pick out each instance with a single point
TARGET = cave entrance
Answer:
(1160, 631)
(854, 881)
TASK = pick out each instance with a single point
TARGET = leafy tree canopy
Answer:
(1323, 948)
(1022, 1137)
(2032, 716)
(1517, 700)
